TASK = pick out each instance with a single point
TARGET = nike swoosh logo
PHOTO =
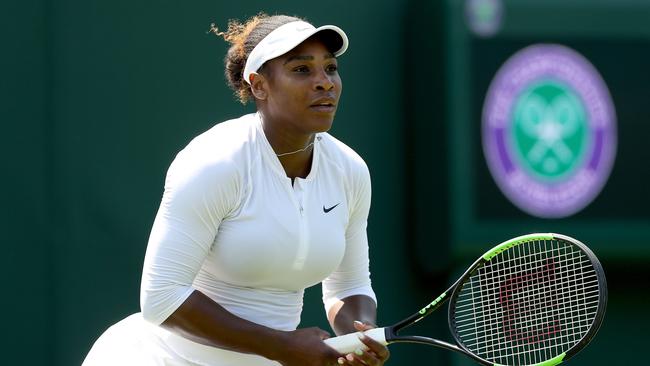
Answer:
(326, 210)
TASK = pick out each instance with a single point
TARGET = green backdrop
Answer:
(97, 97)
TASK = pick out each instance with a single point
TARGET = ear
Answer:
(259, 86)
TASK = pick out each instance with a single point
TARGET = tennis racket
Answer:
(536, 299)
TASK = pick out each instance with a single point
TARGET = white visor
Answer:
(285, 38)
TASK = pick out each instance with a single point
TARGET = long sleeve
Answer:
(352, 277)
(199, 193)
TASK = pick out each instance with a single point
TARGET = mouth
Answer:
(326, 105)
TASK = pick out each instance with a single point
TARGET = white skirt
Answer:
(135, 342)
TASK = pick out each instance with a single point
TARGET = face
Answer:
(302, 89)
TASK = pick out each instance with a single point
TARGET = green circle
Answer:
(550, 132)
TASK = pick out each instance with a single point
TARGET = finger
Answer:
(358, 358)
(375, 347)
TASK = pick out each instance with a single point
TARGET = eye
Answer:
(301, 69)
(332, 68)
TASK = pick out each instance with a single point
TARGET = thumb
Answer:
(362, 326)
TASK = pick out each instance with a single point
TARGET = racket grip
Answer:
(350, 342)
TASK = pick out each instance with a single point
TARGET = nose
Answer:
(324, 81)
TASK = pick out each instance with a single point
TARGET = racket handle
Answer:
(350, 342)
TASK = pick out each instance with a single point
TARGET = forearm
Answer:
(204, 321)
(342, 315)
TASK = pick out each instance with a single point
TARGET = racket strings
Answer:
(519, 334)
(528, 329)
(576, 307)
(464, 302)
(528, 304)
(543, 330)
(588, 287)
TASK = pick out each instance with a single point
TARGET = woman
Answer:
(254, 211)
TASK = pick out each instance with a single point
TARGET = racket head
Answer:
(532, 300)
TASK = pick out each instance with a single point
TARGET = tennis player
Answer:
(254, 211)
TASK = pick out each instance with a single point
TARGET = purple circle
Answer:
(561, 64)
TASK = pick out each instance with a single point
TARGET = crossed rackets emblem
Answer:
(550, 125)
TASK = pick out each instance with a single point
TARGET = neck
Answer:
(297, 166)
(284, 141)
(294, 151)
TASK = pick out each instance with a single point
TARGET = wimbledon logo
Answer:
(549, 131)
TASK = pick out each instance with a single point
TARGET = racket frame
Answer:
(485, 258)
(392, 332)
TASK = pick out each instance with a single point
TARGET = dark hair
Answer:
(243, 37)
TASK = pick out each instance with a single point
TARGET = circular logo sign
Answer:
(549, 131)
(484, 17)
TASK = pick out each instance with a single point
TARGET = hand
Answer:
(305, 347)
(375, 355)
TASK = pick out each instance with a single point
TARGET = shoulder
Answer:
(338, 153)
(224, 139)
(217, 152)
